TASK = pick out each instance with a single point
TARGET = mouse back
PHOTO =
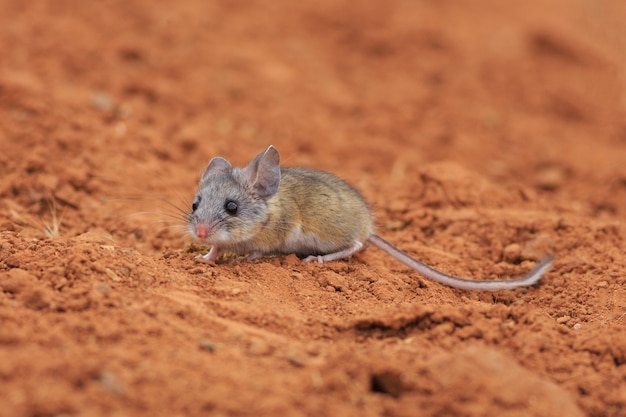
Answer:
(330, 214)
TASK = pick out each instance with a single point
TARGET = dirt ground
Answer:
(484, 134)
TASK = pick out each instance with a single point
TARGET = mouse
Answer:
(265, 209)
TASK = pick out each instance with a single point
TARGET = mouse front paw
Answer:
(211, 256)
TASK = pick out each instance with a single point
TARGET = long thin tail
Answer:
(465, 284)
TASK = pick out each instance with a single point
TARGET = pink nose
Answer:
(201, 231)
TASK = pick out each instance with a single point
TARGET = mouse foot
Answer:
(211, 256)
(254, 255)
(356, 246)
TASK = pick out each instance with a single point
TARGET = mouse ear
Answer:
(263, 173)
(216, 165)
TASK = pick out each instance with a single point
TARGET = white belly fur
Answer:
(299, 242)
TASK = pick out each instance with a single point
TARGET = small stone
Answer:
(112, 275)
(512, 253)
(102, 101)
(292, 261)
(332, 281)
(206, 345)
(550, 178)
(108, 381)
(295, 360)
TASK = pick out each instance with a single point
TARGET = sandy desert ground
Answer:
(483, 133)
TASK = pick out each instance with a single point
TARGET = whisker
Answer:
(183, 200)
(182, 209)
(166, 221)
(177, 208)
(157, 213)
(180, 230)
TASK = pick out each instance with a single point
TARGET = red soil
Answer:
(484, 134)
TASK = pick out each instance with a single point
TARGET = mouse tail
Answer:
(465, 284)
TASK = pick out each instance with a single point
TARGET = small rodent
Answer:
(264, 209)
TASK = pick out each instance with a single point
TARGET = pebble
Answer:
(550, 178)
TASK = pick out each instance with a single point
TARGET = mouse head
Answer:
(230, 206)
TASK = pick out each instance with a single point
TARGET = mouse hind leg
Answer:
(356, 246)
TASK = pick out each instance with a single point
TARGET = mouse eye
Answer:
(231, 207)
(195, 204)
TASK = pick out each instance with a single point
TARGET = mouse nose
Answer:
(201, 231)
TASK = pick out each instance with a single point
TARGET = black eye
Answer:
(231, 207)
(195, 204)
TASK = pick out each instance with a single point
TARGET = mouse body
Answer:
(264, 209)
